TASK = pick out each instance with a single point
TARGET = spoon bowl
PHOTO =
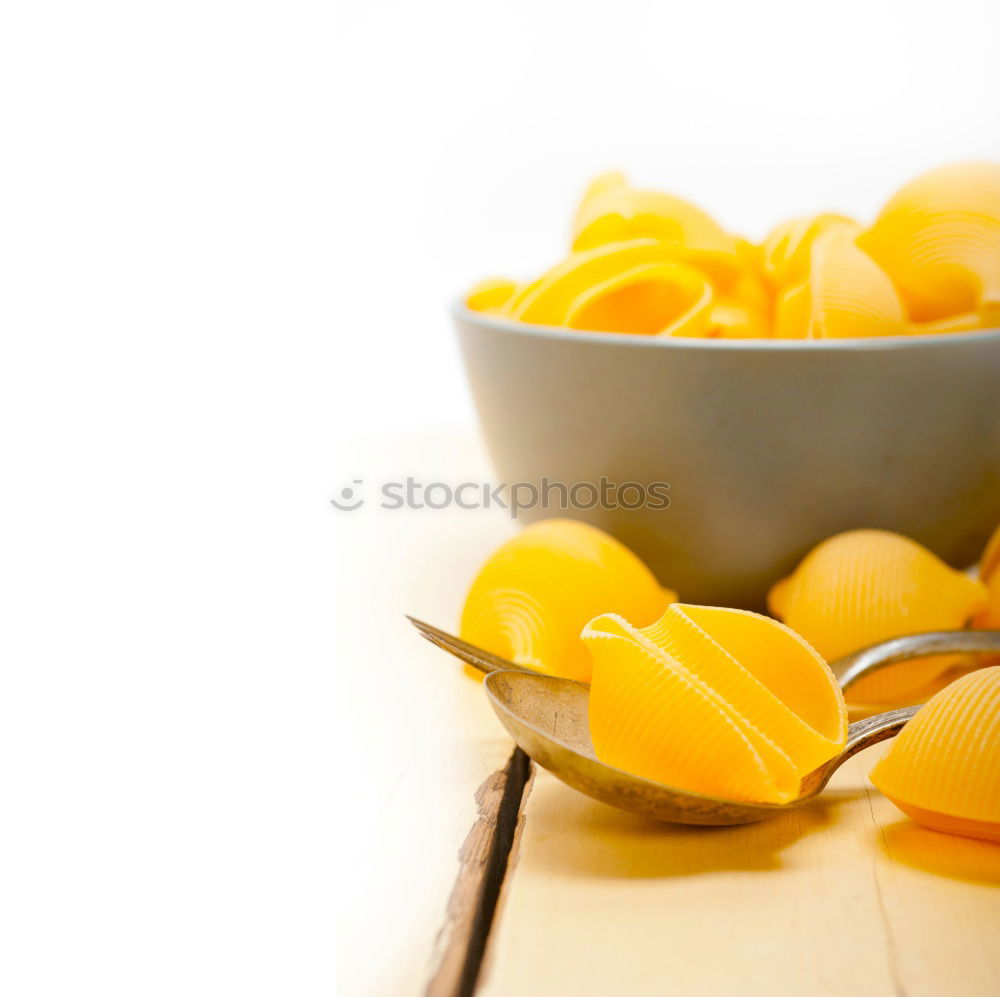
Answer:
(548, 719)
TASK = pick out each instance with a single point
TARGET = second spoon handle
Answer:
(860, 735)
(864, 733)
(890, 652)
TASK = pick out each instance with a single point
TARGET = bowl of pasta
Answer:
(722, 406)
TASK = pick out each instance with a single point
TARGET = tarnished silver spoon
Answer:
(547, 717)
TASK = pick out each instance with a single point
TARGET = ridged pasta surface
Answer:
(865, 586)
(646, 262)
(785, 253)
(533, 596)
(611, 210)
(658, 299)
(939, 239)
(943, 769)
(717, 701)
(640, 286)
(843, 294)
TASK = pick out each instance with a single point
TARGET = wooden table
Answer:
(463, 869)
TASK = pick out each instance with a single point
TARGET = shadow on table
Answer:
(967, 859)
(617, 844)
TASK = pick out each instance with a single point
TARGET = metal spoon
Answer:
(547, 717)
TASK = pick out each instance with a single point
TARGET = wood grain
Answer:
(476, 894)
(417, 736)
(845, 896)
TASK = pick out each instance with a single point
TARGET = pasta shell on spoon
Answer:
(715, 701)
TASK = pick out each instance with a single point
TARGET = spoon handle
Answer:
(864, 733)
(890, 652)
(485, 661)
(847, 669)
(860, 735)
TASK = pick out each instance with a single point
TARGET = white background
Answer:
(228, 236)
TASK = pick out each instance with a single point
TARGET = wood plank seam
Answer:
(508, 879)
(890, 940)
(484, 858)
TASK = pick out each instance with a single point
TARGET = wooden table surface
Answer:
(464, 873)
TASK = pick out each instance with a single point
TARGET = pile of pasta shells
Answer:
(648, 263)
(741, 705)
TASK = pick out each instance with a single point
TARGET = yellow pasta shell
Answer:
(744, 310)
(635, 286)
(966, 322)
(667, 299)
(613, 211)
(939, 239)
(786, 250)
(989, 563)
(989, 572)
(731, 320)
(551, 298)
(533, 596)
(943, 769)
(845, 294)
(599, 188)
(491, 295)
(717, 701)
(865, 586)
(750, 288)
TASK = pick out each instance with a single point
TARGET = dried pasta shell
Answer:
(751, 288)
(533, 596)
(614, 211)
(943, 769)
(743, 311)
(989, 563)
(865, 586)
(845, 295)
(766, 671)
(967, 322)
(715, 701)
(636, 286)
(491, 295)
(732, 320)
(989, 572)
(597, 190)
(939, 239)
(668, 299)
(751, 256)
(644, 711)
(786, 250)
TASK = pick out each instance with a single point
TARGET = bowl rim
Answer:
(460, 311)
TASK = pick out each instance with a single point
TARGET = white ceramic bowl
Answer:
(768, 446)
